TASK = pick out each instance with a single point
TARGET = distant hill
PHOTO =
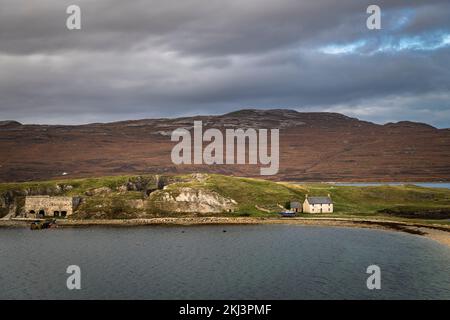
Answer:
(314, 147)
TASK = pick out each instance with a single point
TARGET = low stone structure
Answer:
(295, 206)
(47, 206)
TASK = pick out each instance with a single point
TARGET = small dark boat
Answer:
(287, 214)
(39, 224)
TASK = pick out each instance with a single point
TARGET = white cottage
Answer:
(318, 204)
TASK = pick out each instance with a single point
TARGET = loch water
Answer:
(221, 262)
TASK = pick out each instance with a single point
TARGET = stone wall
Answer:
(36, 206)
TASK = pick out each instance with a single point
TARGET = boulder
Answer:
(98, 191)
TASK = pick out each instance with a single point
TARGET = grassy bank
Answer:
(123, 197)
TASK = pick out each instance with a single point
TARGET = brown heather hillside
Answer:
(314, 147)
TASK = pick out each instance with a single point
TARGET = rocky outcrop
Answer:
(190, 200)
(144, 184)
(98, 191)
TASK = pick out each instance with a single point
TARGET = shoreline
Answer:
(438, 233)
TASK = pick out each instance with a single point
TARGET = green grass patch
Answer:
(355, 201)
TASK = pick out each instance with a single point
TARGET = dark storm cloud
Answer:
(135, 59)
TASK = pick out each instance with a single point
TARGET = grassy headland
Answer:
(147, 196)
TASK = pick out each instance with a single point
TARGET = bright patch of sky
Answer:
(343, 48)
(398, 19)
(389, 40)
(391, 44)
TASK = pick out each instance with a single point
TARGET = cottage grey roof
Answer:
(295, 204)
(320, 200)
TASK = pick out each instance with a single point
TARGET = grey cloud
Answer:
(195, 26)
(136, 59)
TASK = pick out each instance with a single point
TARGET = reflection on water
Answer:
(246, 262)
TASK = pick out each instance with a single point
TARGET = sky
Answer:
(169, 58)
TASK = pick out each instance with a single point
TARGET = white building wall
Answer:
(317, 208)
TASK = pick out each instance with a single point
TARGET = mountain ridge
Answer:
(241, 112)
(314, 146)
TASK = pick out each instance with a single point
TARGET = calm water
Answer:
(445, 185)
(246, 262)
